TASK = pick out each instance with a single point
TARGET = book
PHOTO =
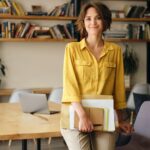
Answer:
(12, 26)
(138, 12)
(67, 32)
(63, 32)
(20, 8)
(133, 8)
(52, 32)
(12, 8)
(25, 29)
(96, 115)
(4, 10)
(16, 8)
(57, 31)
(37, 13)
(53, 12)
(104, 102)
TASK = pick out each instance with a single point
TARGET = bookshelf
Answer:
(69, 18)
(64, 18)
(26, 30)
(45, 18)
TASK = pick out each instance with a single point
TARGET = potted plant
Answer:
(2, 69)
(131, 63)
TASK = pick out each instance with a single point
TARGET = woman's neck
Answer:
(94, 42)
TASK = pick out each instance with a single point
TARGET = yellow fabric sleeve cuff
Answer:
(71, 99)
(121, 105)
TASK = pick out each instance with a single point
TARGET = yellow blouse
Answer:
(83, 74)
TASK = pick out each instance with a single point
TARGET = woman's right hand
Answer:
(85, 124)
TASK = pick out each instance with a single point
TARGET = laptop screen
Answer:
(33, 103)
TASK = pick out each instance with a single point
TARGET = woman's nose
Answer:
(93, 21)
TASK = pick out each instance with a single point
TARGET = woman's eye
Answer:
(98, 18)
(87, 19)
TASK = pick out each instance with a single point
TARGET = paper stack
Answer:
(100, 111)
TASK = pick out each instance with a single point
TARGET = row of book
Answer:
(134, 11)
(28, 30)
(71, 8)
(11, 7)
(129, 31)
(67, 9)
(139, 31)
(117, 30)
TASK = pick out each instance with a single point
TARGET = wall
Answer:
(39, 64)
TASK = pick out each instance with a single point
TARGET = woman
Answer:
(91, 67)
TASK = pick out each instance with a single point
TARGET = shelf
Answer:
(35, 40)
(68, 18)
(126, 40)
(7, 92)
(66, 40)
(37, 17)
(131, 19)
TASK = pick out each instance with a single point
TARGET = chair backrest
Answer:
(14, 98)
(56, 95)
(142, 122)
(138, 88)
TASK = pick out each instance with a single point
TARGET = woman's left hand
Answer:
(126, 127)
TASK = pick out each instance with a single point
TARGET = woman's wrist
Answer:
(79, 110)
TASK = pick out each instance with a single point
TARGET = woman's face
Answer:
(93, 22)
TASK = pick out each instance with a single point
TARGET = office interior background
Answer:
(40, 64)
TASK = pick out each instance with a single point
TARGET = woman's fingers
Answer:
(86, 127)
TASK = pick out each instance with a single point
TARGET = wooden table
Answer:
(16, 125)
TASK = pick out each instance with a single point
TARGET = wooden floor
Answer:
(56, 144)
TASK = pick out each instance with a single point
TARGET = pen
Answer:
(131, 118)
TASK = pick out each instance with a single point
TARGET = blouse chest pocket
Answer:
(84, 69)
(108, 69)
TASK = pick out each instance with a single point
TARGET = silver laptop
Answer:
(34, 103)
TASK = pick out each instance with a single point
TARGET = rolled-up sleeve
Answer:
(71, 91)
(119, 90)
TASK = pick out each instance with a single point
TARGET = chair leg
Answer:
(34, 141)
(49, 140)
(9, 143)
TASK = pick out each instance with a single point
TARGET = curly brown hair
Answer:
(102, 10)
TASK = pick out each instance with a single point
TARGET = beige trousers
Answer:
(77, 140)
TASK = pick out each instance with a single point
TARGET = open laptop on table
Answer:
(35, 103)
